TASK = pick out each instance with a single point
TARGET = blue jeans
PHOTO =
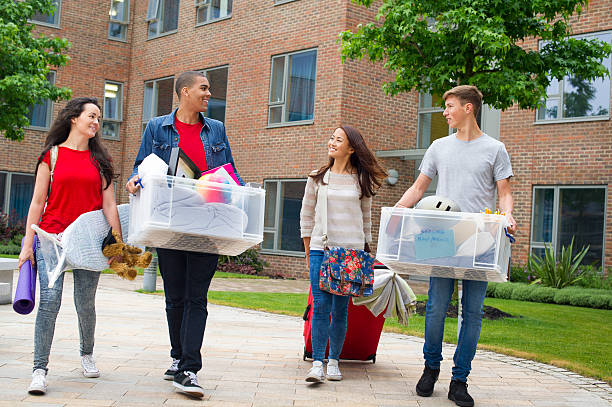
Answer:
(85, 286)
(325, 304)
(187, 277)
(440, 293)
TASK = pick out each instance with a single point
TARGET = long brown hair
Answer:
(60, 129)
(369, 172)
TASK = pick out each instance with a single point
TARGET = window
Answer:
(112, 114)
(212, 10)
(49, 19)
(162, 16)
(560, 213)
(119, 17)
(575, 98)
(16, 202)
(432, 124)
(282, 216)
(217, 78)
(292, 88)
(277, 2)
(157, 99)
(40, 113)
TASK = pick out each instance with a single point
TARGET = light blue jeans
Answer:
(440, 293)
(85, 286)
(325, 304)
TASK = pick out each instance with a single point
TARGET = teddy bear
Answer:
(129, 256)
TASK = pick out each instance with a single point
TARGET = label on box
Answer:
(434, 243)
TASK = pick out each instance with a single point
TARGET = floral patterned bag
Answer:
(344, 271)
(347, 272)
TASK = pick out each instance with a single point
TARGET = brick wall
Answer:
(350, 93)
(574, 153)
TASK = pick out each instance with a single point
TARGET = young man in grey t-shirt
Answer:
(470, 166)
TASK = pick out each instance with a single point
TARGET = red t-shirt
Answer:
(76, 189)
(190, 142)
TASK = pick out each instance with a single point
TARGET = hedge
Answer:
(9, 249)
(576, 296)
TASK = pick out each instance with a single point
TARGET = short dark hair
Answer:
(185, 80)
(466, 94)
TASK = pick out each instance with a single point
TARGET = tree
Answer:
(433, 45)
(24, 64)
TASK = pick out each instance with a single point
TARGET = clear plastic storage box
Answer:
(199, 216)
(468, 246)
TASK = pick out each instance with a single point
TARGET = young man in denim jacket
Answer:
(471, 168)
(186, 275)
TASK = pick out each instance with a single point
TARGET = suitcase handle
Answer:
(305, 316)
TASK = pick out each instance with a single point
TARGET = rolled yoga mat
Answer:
(25, 292)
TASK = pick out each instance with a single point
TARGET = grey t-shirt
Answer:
(467, 170)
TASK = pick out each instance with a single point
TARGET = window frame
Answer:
(275, 229)
(7, 189)
(125, 23)
(205, 72)
(555, 214)
(57, 15)
(560, 105)
(207, 3)
(283, 103)
(118, 120)
(156, 87)
(49, 110)
(279, 2)
(160, 6)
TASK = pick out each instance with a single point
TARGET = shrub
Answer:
(593, 277)
(558, 273)
(248, 262)
(521, 292)
(563, 297)
(504, 291)
(576, 296)
(519, 274)
(10, 249)
(542, 294)
(10, 227)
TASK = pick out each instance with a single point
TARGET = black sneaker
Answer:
(187, 382)
(425, 386)
(169, 374)
(457, 392)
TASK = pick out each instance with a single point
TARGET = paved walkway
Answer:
(251, 359)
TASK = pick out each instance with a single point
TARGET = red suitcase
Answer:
(362, 333)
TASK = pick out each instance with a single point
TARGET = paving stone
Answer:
(253, 359)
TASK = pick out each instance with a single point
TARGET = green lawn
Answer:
(10, 256)
(575, 338)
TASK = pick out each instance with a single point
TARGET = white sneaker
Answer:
(315, 374)
(89, 366)
(38, 386)
(333, 372)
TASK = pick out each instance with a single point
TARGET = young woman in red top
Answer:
(82, 182)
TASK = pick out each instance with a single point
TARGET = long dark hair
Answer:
(369, 172)
(60, 129)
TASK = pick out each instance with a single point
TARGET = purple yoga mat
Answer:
(26, 286)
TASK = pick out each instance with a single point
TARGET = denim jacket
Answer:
(161, 135)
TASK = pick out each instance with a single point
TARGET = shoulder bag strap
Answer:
(52, 161)
(322, 198)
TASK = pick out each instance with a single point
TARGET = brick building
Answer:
(279, 86)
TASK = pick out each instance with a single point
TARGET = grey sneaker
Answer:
(89, 366)
(333, 372)
(315, 374)
(38, 386)
(169, 374)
